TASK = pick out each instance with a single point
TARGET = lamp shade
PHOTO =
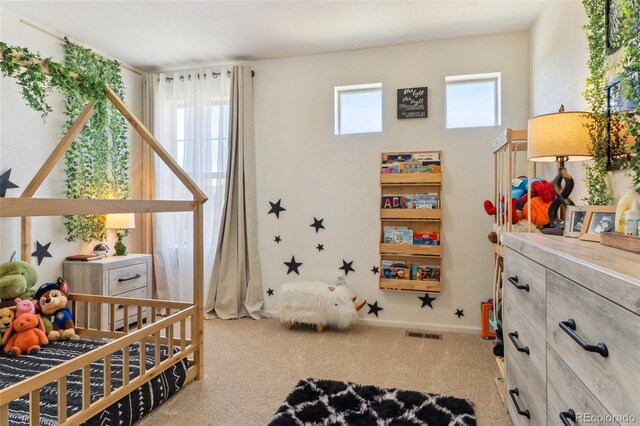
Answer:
(120, 221)
(561, 134)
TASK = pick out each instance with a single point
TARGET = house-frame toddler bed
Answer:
(177, 334)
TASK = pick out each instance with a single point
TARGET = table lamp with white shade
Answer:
(120, 222)
(560, 137)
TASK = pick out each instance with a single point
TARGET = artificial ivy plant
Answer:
(595, 94)
(630, 78)
(97, 162)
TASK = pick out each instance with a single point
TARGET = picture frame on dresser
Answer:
(597, 219)
(574, 221)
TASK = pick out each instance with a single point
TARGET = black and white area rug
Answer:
(328, 402)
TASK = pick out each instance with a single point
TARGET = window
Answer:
(473, 100)
(358, 109)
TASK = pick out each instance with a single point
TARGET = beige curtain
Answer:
(235, 290)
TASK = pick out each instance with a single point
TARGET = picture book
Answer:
(427, 156)
(393, 202)
(394, 273)
(398, 157)
(426, 201)
(394, 264)
(425, 272)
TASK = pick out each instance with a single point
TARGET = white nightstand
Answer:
(122, 276)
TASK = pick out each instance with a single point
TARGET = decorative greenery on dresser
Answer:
(97, 162)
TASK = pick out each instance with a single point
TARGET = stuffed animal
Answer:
(51, 299)
(318, 304)
(7, 316)
(16, 279)
(24, 335)
(25, 307)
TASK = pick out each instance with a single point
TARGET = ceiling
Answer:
(154, 35)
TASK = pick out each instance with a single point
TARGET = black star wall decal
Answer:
(320, 247)
(5, 183)
(293, 266)
(270, 292)
(41, 252)
(317, 224)
(426, 300)
(375, 270)
(459, 312)
(277, 239)
(276, 208)
(374, 308)
(346, 267)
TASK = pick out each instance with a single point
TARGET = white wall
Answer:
(559, 55)
(317, 173)
(26, 141)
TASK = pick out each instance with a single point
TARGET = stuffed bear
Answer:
(16, 279)
(24, 335)
(51, 299)
(7, 316)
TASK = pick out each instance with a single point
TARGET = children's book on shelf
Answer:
(395, 270)
(393, 202)
(425, 272)
(398, 235)
(426, 238)
(428, 162)
(429, 200)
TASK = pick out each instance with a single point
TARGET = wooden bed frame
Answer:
(179, 327)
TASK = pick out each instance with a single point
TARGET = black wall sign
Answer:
(412, 103)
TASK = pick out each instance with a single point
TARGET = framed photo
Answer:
(574, 221)
(598, 219)
(620, 143)
(614, 26)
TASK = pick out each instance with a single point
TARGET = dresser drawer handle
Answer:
(514, 280)
(569, 327)
(565, 416)
(513, 393)
(136, 276)
(513, 336)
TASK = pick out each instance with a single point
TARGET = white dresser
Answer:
(122, 276)
(571, 331)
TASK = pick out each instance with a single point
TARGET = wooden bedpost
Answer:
(198, 288)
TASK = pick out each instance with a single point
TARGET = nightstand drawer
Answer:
(598, 340)
(525, 288)
(127, 278)
(140, 293)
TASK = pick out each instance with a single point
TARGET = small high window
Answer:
(358, 109)
(473, 100)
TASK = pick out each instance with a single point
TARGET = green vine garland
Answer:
(630, 78)
(35, 85)
(97, 162)
(595, 94)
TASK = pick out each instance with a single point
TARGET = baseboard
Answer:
(411, 325)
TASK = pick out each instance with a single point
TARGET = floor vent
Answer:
(424, 335)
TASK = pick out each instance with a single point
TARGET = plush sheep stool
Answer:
(318, 304)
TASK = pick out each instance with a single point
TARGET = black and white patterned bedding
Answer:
(124, 412)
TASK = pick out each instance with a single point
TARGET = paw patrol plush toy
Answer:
(52, 301)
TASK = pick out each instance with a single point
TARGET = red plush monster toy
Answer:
(24, 335)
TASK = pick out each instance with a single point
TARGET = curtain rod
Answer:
(61, 38)
(213, 74)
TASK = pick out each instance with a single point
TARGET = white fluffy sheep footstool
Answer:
(318, 304)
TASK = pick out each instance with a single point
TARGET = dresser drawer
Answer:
(613, 379)
(566, 392)
(524, 284)
(127, 278)
(525, 368)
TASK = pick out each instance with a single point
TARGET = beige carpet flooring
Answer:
(251, 366)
